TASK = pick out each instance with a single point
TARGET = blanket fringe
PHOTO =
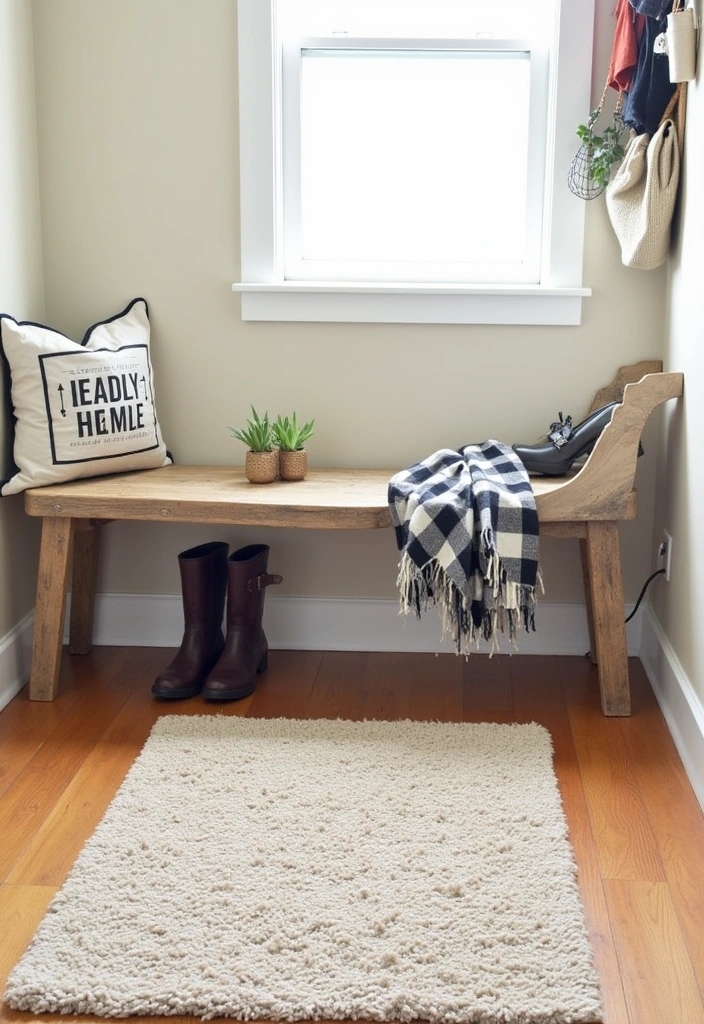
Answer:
(491, 606)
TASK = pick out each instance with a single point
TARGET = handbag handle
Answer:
(677, 100)
(674, 100)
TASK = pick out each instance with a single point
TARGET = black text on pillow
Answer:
(81, 409)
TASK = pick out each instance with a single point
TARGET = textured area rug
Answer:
(294, 870)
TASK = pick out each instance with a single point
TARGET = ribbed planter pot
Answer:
(293, 465)
(261, 467)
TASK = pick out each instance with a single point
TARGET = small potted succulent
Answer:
(290, 438)
(261, 464)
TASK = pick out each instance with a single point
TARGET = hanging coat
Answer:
(651, 88)
(652, 8)
(624, 54)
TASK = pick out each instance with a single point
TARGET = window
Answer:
(396, 168)
(404, 161)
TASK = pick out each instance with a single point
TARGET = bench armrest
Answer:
(602, 489)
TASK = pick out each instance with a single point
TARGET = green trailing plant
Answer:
(257, 433)
(603, 150)
(289, 435)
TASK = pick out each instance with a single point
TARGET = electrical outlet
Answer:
(665, 554)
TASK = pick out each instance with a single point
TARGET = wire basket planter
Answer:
(590, 169)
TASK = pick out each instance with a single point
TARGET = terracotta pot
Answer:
(261, 467)
(293, 465)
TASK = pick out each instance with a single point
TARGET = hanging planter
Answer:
(590, 170)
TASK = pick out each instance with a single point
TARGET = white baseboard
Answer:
(15, 658)
(681, 707)
(299, 623)
(332, 624)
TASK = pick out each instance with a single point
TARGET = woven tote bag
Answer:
(640, 198)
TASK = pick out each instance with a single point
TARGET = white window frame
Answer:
(266, 294)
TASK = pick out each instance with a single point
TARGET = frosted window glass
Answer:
(414, 156)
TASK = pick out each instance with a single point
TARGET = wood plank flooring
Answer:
(635, 825)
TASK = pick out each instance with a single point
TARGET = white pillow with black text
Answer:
(83, 409)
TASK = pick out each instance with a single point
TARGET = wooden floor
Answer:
(635, 825)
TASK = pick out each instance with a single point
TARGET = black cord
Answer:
(658, 572)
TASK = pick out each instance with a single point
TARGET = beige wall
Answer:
(21, 292)
(137, 113)
(679, 605)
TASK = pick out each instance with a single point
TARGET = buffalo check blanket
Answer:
(467, 527)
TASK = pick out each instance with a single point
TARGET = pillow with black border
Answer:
(81, 409)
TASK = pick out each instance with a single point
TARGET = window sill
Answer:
(343, 302)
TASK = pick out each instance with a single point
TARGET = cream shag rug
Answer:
(294, 870)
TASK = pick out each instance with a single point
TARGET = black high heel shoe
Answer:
(565, 443)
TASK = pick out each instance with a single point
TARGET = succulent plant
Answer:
(257, 433)
(289, 435)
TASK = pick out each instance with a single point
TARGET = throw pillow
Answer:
(81, 409)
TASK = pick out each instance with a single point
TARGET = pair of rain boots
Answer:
(220, 666)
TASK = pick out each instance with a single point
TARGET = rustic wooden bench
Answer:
(587, 504)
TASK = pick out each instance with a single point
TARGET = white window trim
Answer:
(266, 295)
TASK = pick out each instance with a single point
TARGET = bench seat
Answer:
(328, 499)
(588, 504)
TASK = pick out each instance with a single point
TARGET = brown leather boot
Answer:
(203, 584)
(246, 650)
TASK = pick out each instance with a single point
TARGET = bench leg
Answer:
(589, 599)
(86, 552)
(605, 590)
(54, 557)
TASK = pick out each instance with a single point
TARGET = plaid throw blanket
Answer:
(467, 527)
